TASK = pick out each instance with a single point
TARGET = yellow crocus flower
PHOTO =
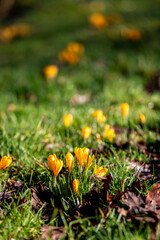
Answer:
(68, 120)
(55, 165)
(124, 109)
(89, 162)
(98, 20)
(5, 162)
(75, 47)
(109, 132)
(69, 160)
(50, 71)
(132, 34)
(101, 171)
(72, 53)
(82, 156)
(99, 116)
(75, 185)
(142, 118)
(86, 132)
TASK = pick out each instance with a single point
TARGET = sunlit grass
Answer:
(41, 117)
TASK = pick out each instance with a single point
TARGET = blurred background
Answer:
(120, 60)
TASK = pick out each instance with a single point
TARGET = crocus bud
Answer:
(86, 131)
(98, 20)
(50, 71)
(99, 116)
(142, 118)
(109, 133)
(68, 120)
(124, 109)
(75, 185)
(69, 160)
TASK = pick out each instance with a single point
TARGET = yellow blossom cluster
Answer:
(13, 31)
(83, 157)
(86, 131)
(72, 54)
(108, 131)
(125, 112)
(132, 34)
(101, 21)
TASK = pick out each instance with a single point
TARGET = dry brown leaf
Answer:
(54, 233)
(133, 201)
(153, 197)
(122, 211)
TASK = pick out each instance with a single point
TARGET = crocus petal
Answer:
(55, 165)
(69, 160)
(75, 185)
(5, 162)
(51, 159)
(103, 172)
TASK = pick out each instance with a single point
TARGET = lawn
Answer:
(118, 62)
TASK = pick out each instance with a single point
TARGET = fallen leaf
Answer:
(153, 197)
(12, 192)
(53, 233)
(80, 99)
(40, 195)
(106, 183)
(122, 211)
(133, 201)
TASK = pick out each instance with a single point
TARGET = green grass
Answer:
(112, 71)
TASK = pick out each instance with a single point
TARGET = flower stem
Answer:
(77, 201)
(68, 181)
(55, 182)
(80, 171)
